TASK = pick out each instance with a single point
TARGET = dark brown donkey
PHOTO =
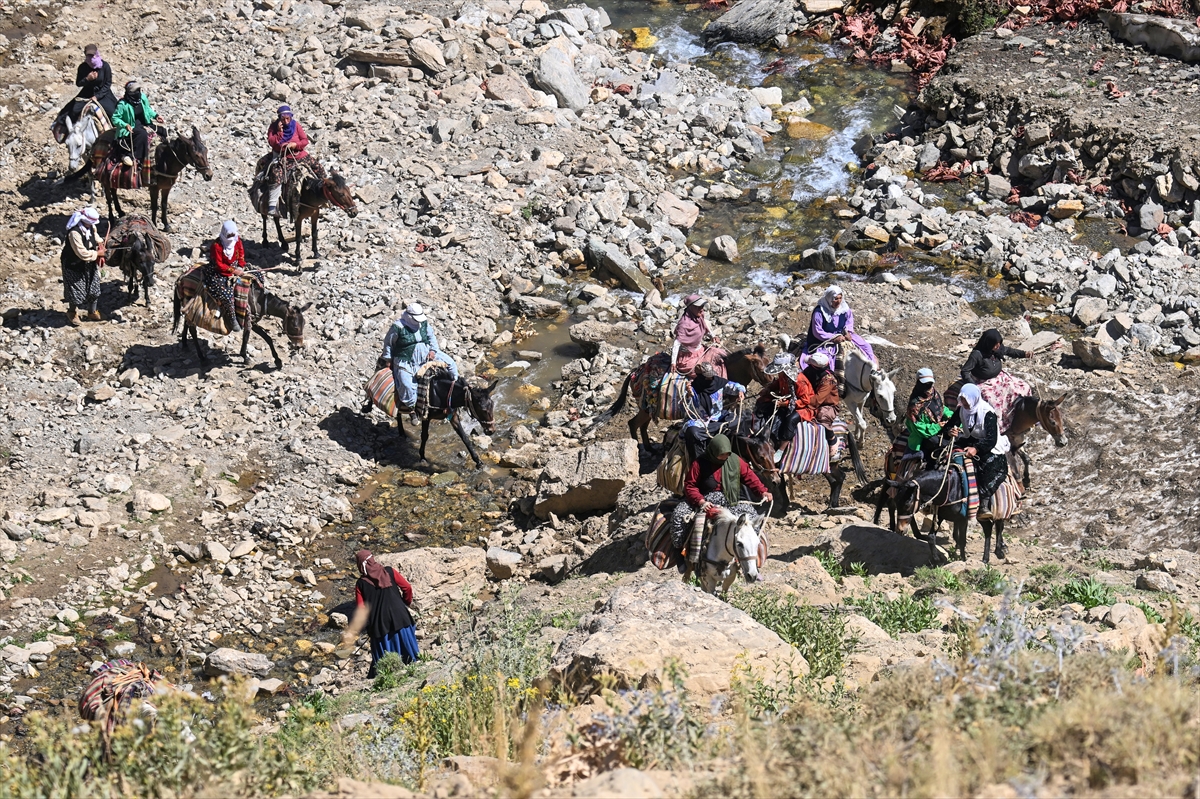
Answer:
(1028, 413)
(476, 401)
(170, 159)
(305, 202)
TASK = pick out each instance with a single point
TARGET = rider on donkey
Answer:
(410, 342)
(985, 368)
(132, 120)
(690, 332)
(925, 416)
(226, 263)
(785, 400)
(833, 323)
(94, 79)
(707, 407)
(975, 426)
(80, 270)
(289, 145)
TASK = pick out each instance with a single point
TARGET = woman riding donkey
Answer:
(718, 480)
(832, 324)
(134, 119)
(975, 427)
(707, 412)
(925, 417)
(411, 342)
(289, 147)
(80, 268)
(785, 401)
(94, 79)
(985, 368)
(689, 348)
(226, 263)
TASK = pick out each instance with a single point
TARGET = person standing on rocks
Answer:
(926, 415)
(80, 266)
(784, 401)
(289, 146)
(975, 427)
(226, 263)
(410, 342)
(985, 368)
(688, 349)
(831, 325)
(718, 480)
(387, 596)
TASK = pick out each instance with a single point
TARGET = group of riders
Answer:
(135, 122)
(806, 387)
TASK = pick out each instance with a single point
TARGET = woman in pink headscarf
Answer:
(690, 332)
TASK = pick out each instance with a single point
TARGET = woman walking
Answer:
(80, 267)
(387, 596)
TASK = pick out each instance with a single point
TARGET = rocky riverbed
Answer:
(518, 169)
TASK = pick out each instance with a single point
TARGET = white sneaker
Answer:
(127, 161)
(778, 455)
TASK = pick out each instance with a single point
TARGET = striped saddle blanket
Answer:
(674, 397)
(1006, 502)
(201, 309)
(663, 553)
(382, 390)
(809, 453)
(114, 687)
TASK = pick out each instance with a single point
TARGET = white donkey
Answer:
(82, 136)
(733, 542)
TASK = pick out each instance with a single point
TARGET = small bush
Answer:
(1086, 591)
(654, 728)
(939, 577)
(830, 564)
(895, 616)
(388, 672)
(986, 580)
(821, 638)
(1047, 571)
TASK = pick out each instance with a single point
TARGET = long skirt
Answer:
(993, 471)
(1001, 392)
(685, 513)
(81, 287)
(402, 642)
(688, 360)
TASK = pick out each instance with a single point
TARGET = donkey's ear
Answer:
(1059, 401)
(490, 387)
(304, 307)
(893, 373)
(195, 133)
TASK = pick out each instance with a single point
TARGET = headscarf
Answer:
(88, 216)
(925, 402)
(826, 303)
(705, 386)
(988, 341)
(731, 470)
(133, 90)
(228, 237)
(95, 61)
(692, 326)
(413, 316)
(973, 408)
(818, 367)
(371, 569)
(286, 129)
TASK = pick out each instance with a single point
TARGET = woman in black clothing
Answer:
(387, 596)
(987, 359)
(94, 79)
(975, 427)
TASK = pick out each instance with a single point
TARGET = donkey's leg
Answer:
(270, 343)
(731, 574)
(1001, 549)
(315, 218)
(400, 426)
(465, 439)
(986, 524)
(166, 192)
(836, 478)
(154, 204)
(1028, 464)
(278, 233)
(299, 237)
(264, 235)
(960, 536)
(424, 438)
(196, 342)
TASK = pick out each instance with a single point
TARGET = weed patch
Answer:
(895, 616)
(821, 638)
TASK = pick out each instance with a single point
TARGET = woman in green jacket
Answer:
(926, 413)
(131, 120)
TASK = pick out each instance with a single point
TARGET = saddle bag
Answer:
(672, 471)
(658, 537)
(673, 395)
(382, 390)
(203, 311)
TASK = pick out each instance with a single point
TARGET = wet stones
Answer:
(226, 661)
(723, 248)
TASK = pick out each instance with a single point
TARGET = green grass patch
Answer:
(986, 580)
(821, 638)
(895, 616)
(926, 577)
(1084, 590)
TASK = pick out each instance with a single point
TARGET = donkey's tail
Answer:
(178, 307)
(616, 406)
(860, 471)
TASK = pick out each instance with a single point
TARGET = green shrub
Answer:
(1084, 590)
(830, 564)
(821, 638)
(895, 616)
(1047, 571)
(939, 577)
(388, 672)
(986, 580)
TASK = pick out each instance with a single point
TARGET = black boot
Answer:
(231, 320)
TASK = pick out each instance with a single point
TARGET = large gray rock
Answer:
(1096, 354)
(1150, 215)
(1088, 310)
(502, 563)
(680, 213)
(645, 626)
(1157, 581)
(822, 260)
(555, 74)
(427, 54)
(607, 259)
(586, 479)
(723, 248)
(996, 187)
(536, 306)
(226, 661)
(1176, 38)
(753, 21)
(440, 577)
(591, 333)
(1099, 286)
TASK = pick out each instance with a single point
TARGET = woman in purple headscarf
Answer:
(689, 349)
(289, 146)
(832, 323)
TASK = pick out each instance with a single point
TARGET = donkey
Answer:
(135, 259)
(866, 386)
(262, 303)
(1027, 413)
(81, 140)
(743, 366)
(170, 159)
(476, 401)
(733, 541)
(940, 488)
(305, 202)
(758, 450)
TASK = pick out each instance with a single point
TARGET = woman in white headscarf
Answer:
(80, 268)
(975, 427)
(226, 263)
(832, 323)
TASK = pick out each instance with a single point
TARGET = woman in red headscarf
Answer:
(387, 596)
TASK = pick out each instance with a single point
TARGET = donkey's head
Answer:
(293, 325)
(338, 192)
(483, 407)
(197, 152)
(745, 546)
(1050, 415)
(78, 140)
(883, 395)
